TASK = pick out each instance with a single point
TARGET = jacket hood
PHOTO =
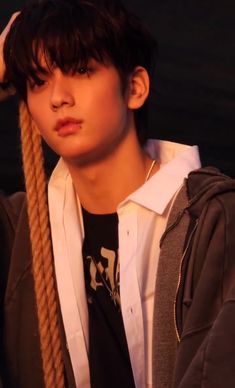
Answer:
(204, 184)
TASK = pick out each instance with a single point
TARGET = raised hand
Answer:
(5, 93)
(2, 40)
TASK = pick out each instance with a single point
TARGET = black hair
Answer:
(70, 33)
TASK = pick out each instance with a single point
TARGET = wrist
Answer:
(6, 90)
(5, 85)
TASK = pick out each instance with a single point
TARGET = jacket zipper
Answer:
(180, 278)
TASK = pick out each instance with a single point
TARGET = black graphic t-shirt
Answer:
(108, 352)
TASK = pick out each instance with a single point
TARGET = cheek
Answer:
(110, 105)
(108, 92)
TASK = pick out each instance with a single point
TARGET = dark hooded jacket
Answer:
(205, 306)
(194, 317)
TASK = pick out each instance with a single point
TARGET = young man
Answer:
(128, 287)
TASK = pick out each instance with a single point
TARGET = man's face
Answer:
(81, 116)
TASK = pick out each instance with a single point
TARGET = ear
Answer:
(138, 87)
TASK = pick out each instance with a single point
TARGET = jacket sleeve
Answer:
(9, 212)
(206, 352)
(20, 355)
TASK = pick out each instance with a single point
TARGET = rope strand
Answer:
(43, 268)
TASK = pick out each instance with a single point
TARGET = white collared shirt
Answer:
(142, 220)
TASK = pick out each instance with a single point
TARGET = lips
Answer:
(67, 126)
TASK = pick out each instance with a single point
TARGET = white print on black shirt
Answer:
(111, 271)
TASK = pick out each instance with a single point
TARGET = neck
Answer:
(101, 186)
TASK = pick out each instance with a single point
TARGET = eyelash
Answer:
(84, 70)
(38, 82)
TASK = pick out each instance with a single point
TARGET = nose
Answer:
(61, 91)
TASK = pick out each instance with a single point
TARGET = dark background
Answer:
(194, 87)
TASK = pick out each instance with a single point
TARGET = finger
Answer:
(8, 26)
(2, 40)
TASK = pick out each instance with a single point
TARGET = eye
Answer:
(39, 82)
(36, 82)
(84, 70)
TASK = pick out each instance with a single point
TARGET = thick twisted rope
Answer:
(43, 269)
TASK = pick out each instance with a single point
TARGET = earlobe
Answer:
(138, 88)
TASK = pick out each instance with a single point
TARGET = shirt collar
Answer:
(176, 161)
(60, 172)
